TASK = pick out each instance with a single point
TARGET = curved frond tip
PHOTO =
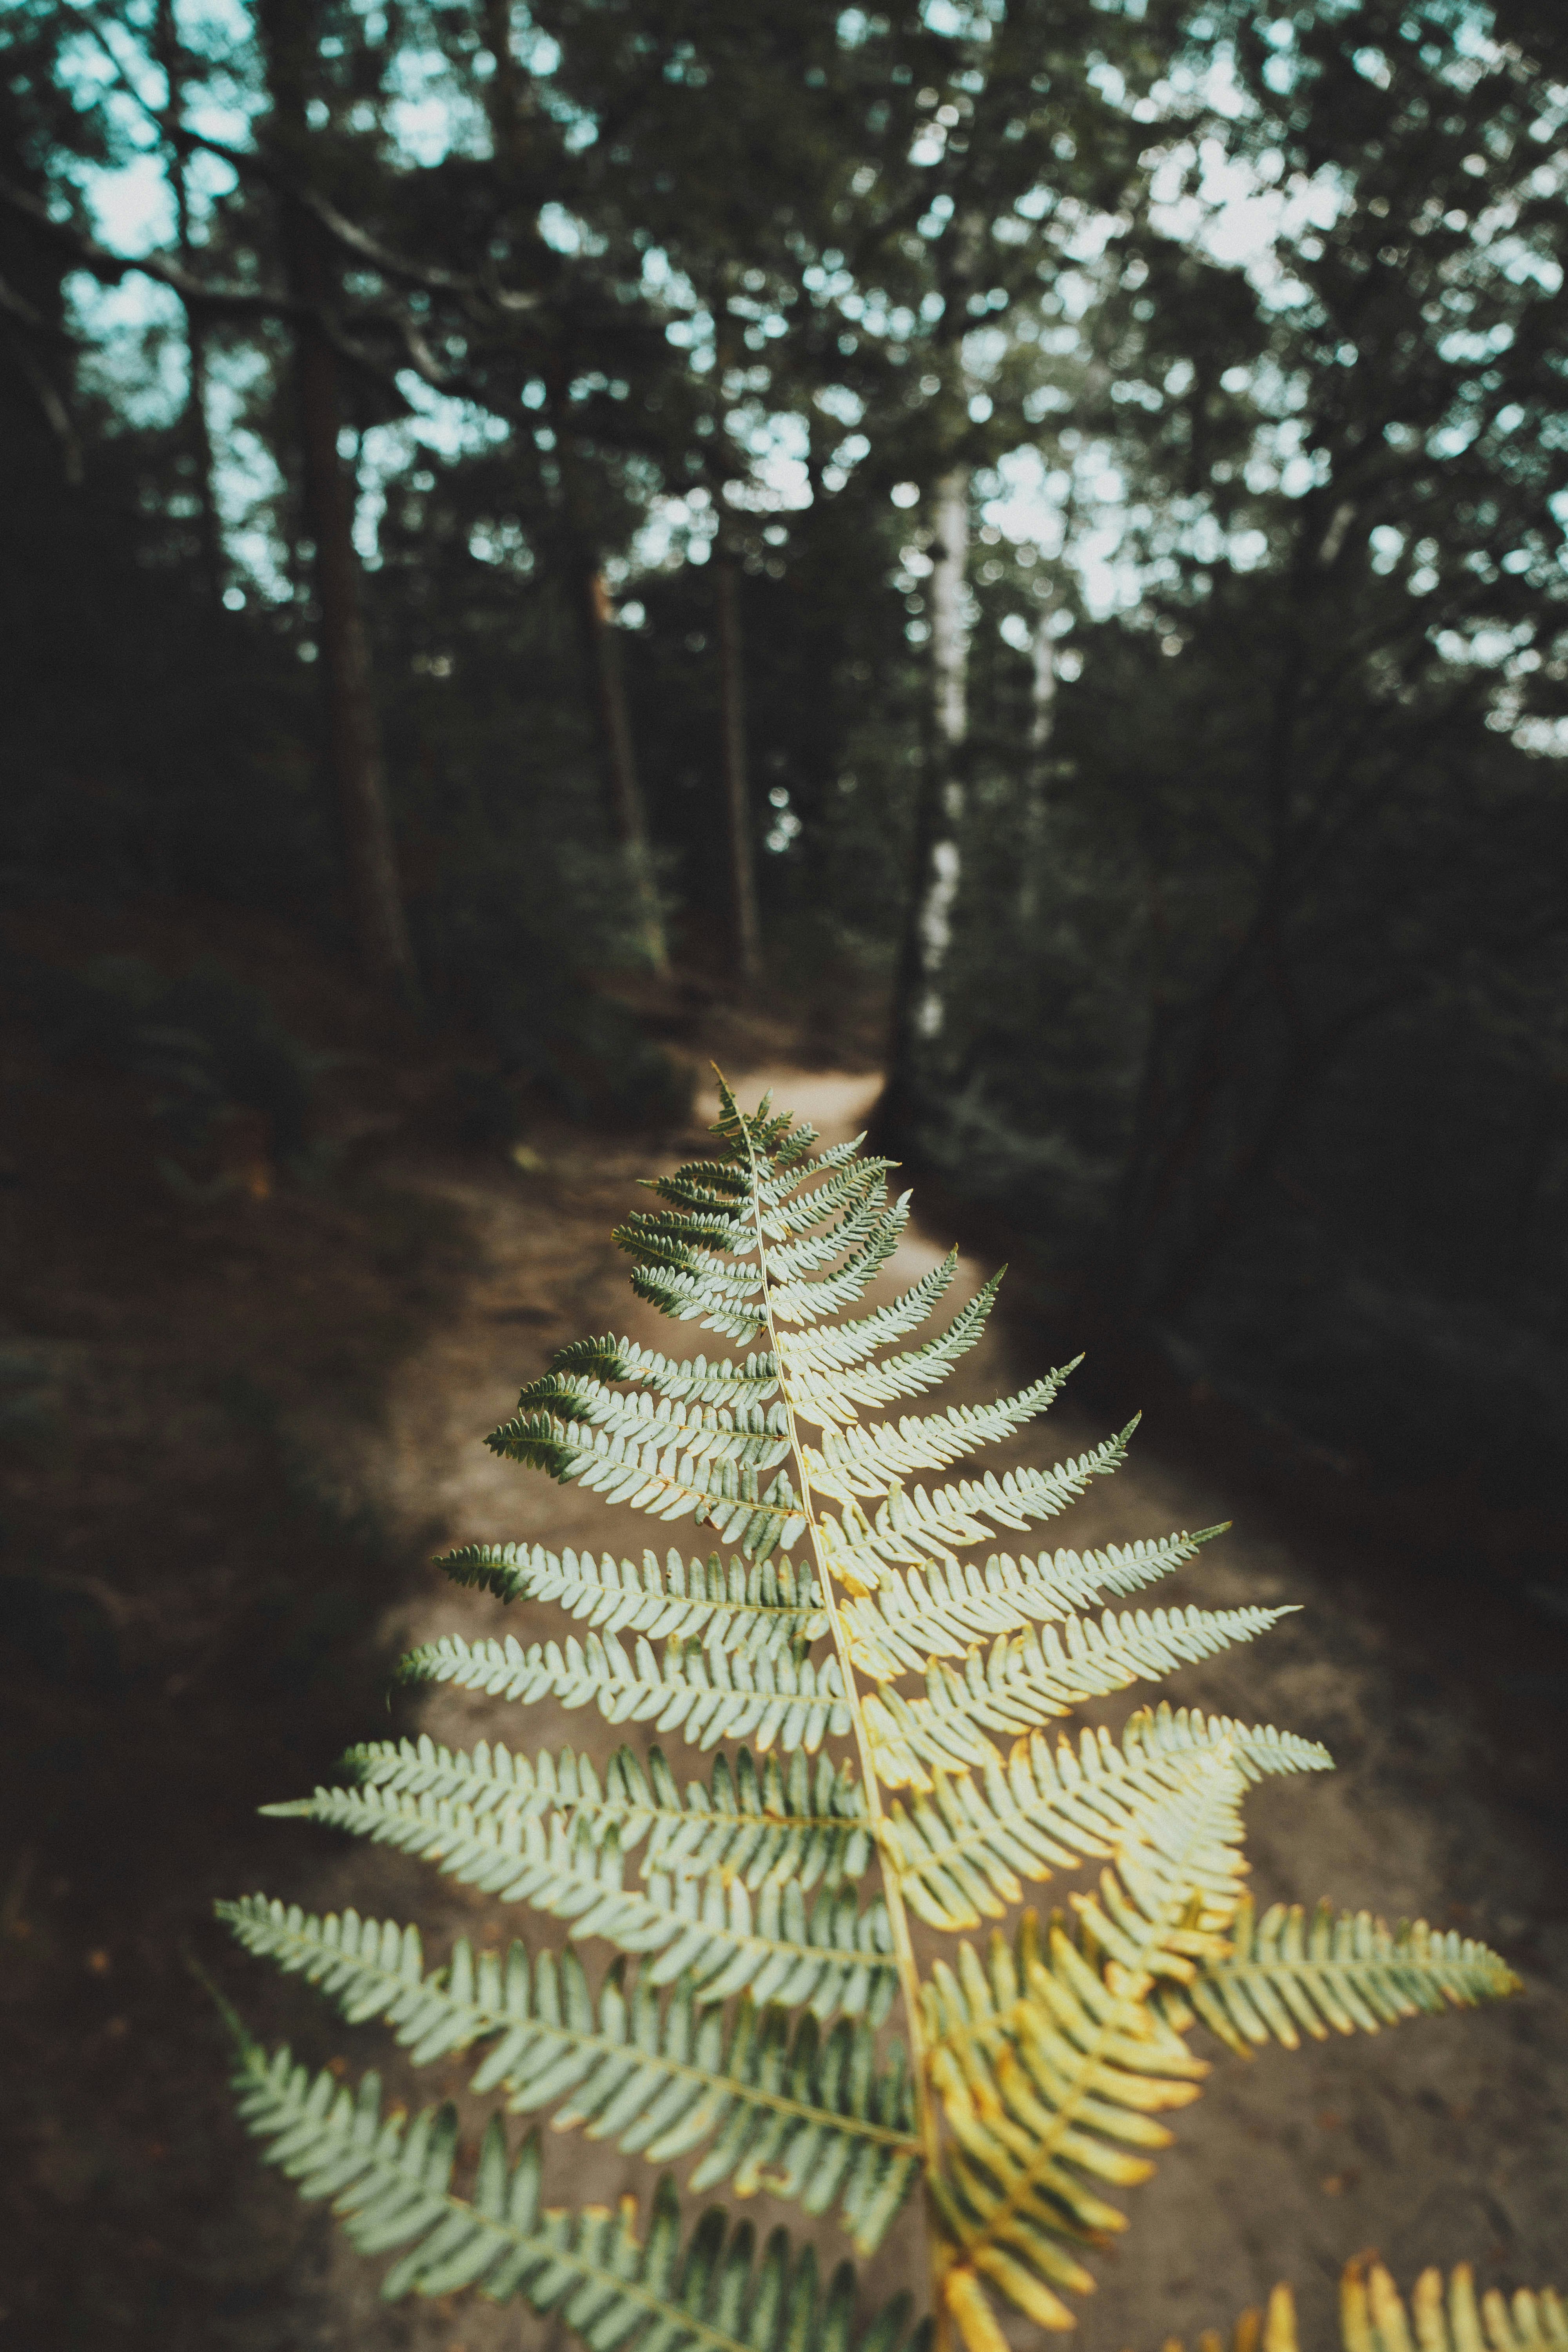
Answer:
(1286, 1975)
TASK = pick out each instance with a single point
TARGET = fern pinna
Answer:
(877, 1696)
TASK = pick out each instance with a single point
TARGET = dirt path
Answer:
(1437, 2141)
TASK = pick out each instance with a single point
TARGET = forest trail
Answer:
(1436, 2141)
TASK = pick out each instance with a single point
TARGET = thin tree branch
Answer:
(429, 275)
(110, 267)
(56, 415)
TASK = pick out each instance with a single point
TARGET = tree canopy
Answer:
(1052, 516)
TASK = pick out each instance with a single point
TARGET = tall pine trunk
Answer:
(623, 788)
(507, 99)
(744, 914)
(197, 432)
(354, 734)
(626, 811)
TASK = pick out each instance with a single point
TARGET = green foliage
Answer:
(760, 1917)
(807, 1822)
(200, 1044)
(390, 2181)
(1284, 1976)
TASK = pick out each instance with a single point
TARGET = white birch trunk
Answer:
(947, 602)
(746, 918)
(1042, 727)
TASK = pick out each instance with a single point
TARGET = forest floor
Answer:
(244, 1427)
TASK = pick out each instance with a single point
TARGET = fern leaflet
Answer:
(391, 2183)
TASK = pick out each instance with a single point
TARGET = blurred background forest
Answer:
(1039, 527)
(1018, 543)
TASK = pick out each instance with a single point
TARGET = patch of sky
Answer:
(247, 486)
(951, 23)
(1025, 498)
(675, 531)
(1465, 345)
(838, 400)
(1543, 738)
(132, 209)
(565, 233)
(1239, 219)
(786, 826)
(985, 349)
(136, 351)
(777, 447)
(660, 277)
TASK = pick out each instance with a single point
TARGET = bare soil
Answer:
(257, 1424)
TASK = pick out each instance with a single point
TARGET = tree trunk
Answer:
(507, 95)
(920, 1010)
(1037, 773)
(197, 432)
(354, 735)
(628, 813)
(624, 808)
(508, 98)
(745, 919)
(921, 993)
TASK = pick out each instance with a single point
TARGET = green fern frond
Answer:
(582, 1397)
(942, 1610)
(1039, 2077)
(1028, 1680)
(829, 1395)
(867, 1459)
(802, 1301)
(752, 1382)
(860, 1190)
(701, 1184)
(963, 1852)
(681, 1236)
(695, 1688)
(1051, 2073)
(1258, 1751)
(853, 1178)
(807, 1355)
(750, 1606)
(656, 1459)
(806, 1821)
(1284, 1976)
(716, 1300)
(830, 1955)
(807, 2117)
(914, 1525)
(391, 2183)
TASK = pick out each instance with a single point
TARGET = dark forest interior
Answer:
(1018, 547)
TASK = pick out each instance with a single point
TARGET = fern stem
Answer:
(898, 1917)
